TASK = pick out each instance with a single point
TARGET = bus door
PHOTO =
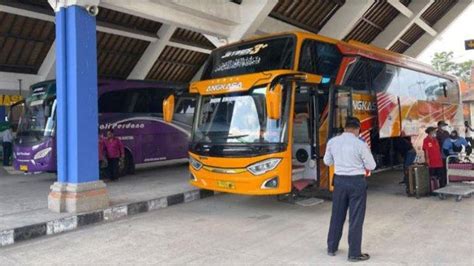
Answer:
(305, 153)
(340, 107)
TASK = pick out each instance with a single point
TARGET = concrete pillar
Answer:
(78, 187)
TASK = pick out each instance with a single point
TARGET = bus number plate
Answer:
(226, 184)
(24, 168)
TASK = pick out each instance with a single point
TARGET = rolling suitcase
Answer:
(419, 183)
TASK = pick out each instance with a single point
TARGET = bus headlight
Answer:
(195, 163)
(262, 167)
(42, 153)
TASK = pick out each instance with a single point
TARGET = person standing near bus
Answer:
(351, 158)
(433, 157)
(7, 138)
(114, 152)
(442, 133)
(468, 132)
(102, 152)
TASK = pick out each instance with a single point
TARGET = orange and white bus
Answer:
(267, 107)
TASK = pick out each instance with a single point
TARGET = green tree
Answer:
(443, 61)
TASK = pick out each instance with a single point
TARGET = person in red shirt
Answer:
(433, 156)
(114, 152)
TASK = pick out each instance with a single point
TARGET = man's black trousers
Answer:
(350, 192)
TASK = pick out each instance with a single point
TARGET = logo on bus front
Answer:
(226, 86)
(252, 50)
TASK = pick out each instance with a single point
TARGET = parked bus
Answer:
(133, 109)
(267, 107)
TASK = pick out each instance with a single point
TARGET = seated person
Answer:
(454, 144)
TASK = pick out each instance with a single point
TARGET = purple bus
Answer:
(133, 109)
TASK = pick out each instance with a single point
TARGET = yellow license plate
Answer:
(23, 167)
(226, 184)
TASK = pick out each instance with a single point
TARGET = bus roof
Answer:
(361, 49)
(104, 83)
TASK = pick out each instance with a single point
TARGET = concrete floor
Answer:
(228, 229)
(24, 198)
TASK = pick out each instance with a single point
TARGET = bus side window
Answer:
(184, 110)
(320, 58)
(358, 78)
(431, 89)
(385, 78)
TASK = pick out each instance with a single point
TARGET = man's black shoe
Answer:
(362, 257)
(331, 253)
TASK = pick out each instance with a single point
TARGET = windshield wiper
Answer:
(231, 137)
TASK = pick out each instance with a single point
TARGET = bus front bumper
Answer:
(244, 183)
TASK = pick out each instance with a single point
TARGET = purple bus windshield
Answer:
(133, 109)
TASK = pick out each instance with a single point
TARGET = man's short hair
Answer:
(352, 122)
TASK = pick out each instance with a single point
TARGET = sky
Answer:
(452, 39)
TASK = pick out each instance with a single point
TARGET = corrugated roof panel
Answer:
(24, 43)
(399, 47)
(176, 64)
(191, 38)
(374, 21)
(307, 14)
(437, 10)
(127, 20)
(412, 34)
(117, 55)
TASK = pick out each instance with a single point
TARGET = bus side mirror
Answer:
(273, 101)
(168, 108)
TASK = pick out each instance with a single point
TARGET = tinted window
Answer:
(452, 90)
(385, 78)
(184, 111)
(320, 58)
(410, 85)
(251, 57)
(431, 87)
(358, 77)
(147, 100)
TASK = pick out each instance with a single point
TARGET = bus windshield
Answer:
(239, 119)
(251, 57)
(38, 119)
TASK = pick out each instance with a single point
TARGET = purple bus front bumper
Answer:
(24, 157)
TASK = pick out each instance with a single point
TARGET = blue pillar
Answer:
(78, 188)
(76, 73)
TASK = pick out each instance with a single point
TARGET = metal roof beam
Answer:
(401, 8)
(346, 17)
(401, 23)
(152, 52)
(440, 26)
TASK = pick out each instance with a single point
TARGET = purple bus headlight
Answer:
(42, 153)
(195, 163)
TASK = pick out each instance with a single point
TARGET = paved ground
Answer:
(24, 198)
(227, 229)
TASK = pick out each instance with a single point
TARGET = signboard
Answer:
(7, 100)
(469, 44)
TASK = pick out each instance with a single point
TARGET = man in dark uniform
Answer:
(351, 158)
